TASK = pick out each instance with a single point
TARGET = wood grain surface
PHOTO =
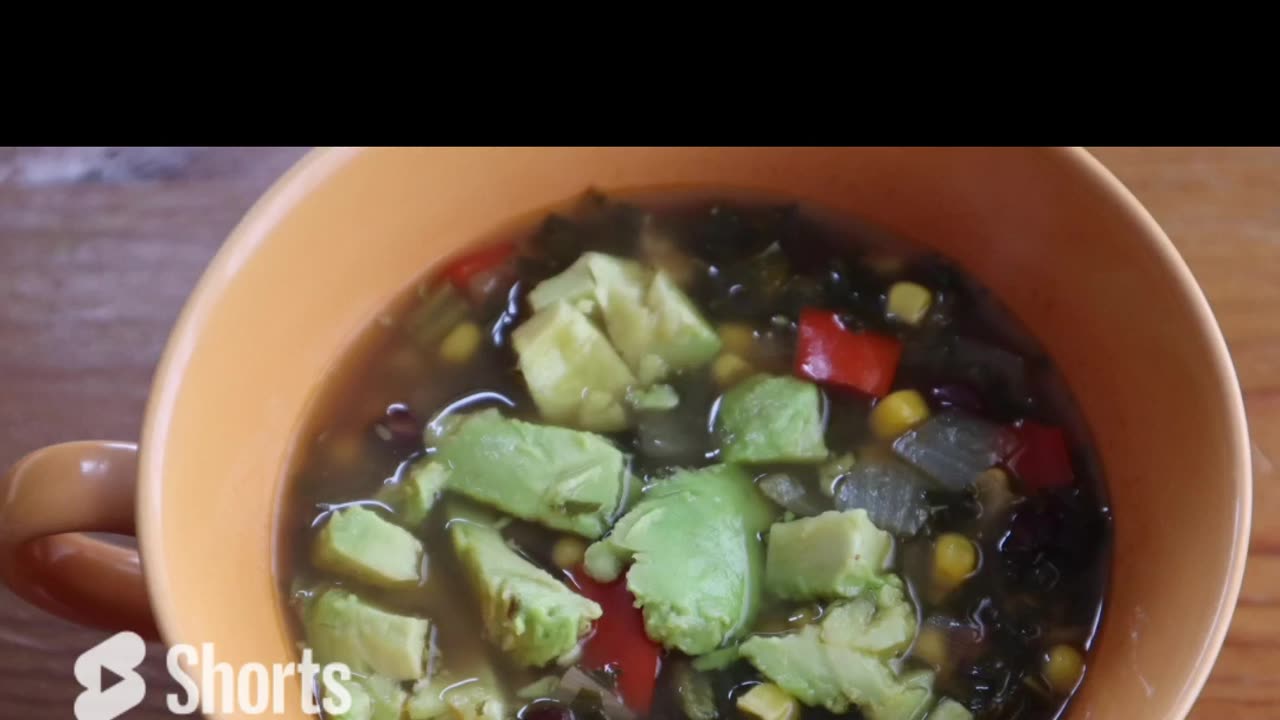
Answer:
(99, 248)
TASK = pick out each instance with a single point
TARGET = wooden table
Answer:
(99, 248)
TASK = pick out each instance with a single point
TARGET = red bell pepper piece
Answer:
(477, 272)
(1039, 456)
(620, 641)
(827, 352)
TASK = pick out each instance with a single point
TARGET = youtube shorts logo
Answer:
(114, 659)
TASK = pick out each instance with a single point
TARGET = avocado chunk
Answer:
(445, 698)
(373, 698)
(799, 663)
(883, 626)
(828, 556)
(838, 678)
(357, 543)
(574, 375)
(833, 666)
(361, 705)
(413, 498)
(655, 398)
(772, 419)
(701, 524)
(341, 627)
(527, 613)
(948, 709)
(577, 284)
(767, 701)
(910, 700)
(653, 324)
(657, 331)
(564, 479)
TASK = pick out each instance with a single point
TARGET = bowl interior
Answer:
(1051, 233)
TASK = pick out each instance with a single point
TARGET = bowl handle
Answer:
(48, 501)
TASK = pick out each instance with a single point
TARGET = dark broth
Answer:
(1044, 561)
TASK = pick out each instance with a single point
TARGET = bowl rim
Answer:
(317, 164)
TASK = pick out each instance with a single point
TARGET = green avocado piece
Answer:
(772, 419)
(838, 678)
(798, 663)
(373, 698)
(883, 626)
(361, 705)
(655, 398)
(832, 555)
(910, 700)
(574, 375)
(413, 498)
(527, 613)
(341, 627)
(653, 324)
(357, 543)
(575, 286)
(564, 479)
(657, 331)
(845, 661)
(948, 709)
(444, 696)
(702, 524)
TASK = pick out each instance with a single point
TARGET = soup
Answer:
(697, 457)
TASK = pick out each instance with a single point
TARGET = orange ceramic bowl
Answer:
(1067, 248)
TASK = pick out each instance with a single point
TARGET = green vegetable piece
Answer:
(577, 284)
(574, 375)
(426, 703)
(702, 524)
(341, 627)
(374, 698)
(909, 701)
(772, 419)
(838, 678)
(655, 327)
(357, 543)
(845, 661)
(697, 696)
(361, 706)
(527, 613)
(413, 498)
(657, 398)
(798, 663)
(564, 479)
(832, 555)
(884, 626)
(948, 709)
(474, 699)
(660, 333)
(448, 697)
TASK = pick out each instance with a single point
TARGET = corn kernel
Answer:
(728, 369)
(737, 338)
(908, 302)
(767, 701)
(1062, 668)
(897, 413)
(461, 343)
(931, 646)
(955, 558)
(568, 552)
